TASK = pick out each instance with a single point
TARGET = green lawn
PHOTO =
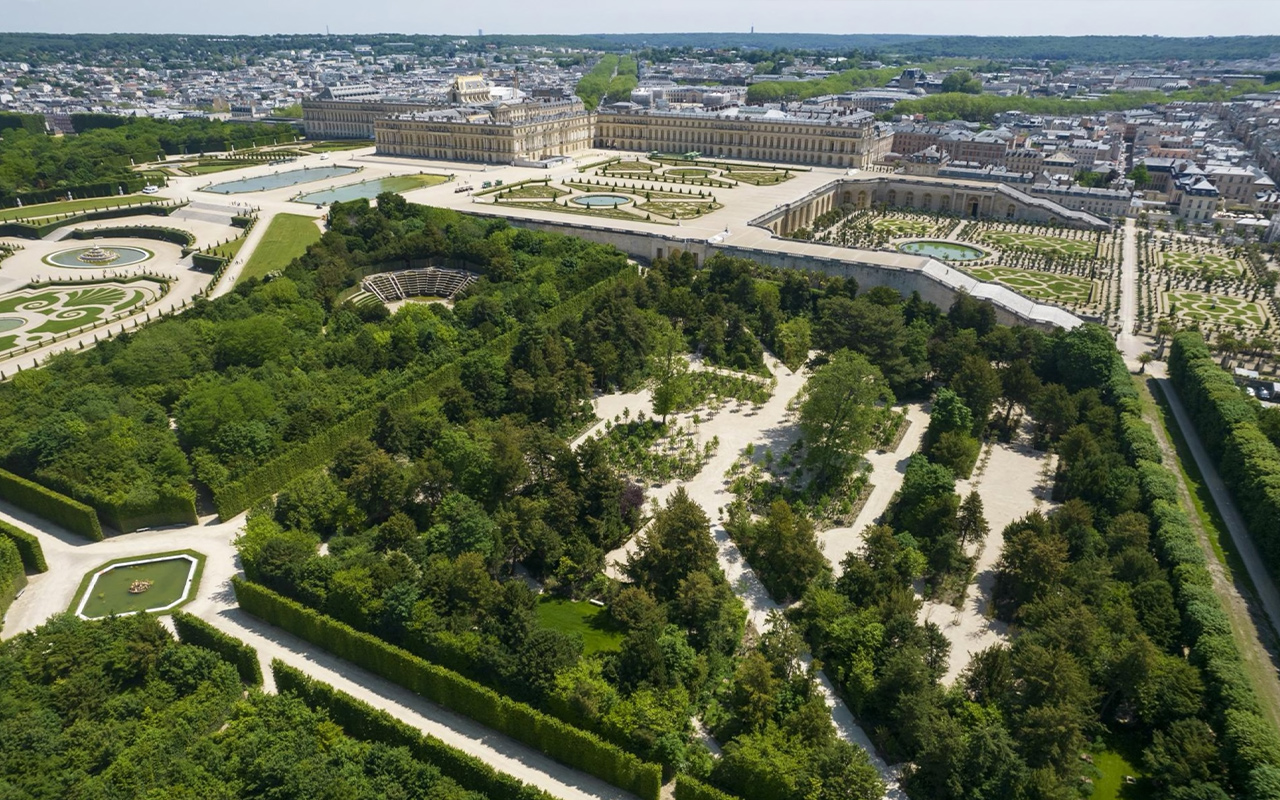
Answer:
(329, 147)
(67, 206)
(1114, 763)
(209, 169)
(286, 239)
(598, 630)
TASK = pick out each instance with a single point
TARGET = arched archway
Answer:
(911, 199)
(892, 197)
(862, 199)
(944, 204)
(926, 202)
(1012, 210)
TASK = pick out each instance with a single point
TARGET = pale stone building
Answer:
(830, 137)
(528, 130)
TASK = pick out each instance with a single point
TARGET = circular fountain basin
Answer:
(947, 251)
(98, 257)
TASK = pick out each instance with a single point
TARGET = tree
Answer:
(1144, 358)
(670, 372)
(978, 385)
(971, 524)
(677, 542)
(962, 81)
(842, 404)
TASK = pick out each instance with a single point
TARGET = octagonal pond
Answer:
(602, 200)
(947, 251)
(147, 583)
(98, 257)
(280, 180)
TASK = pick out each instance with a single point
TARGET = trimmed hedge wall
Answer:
(362, 721)
(12, 576)
(29, 548)
(317, 451)
(27, 230)
(693, 789)
(569, 745)
(178, 508)
(171, 235)
(58, 508)
(1251, 748)
(1248, 462)
(193, 630)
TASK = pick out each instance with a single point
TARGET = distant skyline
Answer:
(926, 17)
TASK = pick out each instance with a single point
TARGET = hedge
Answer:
(53, 506)
(29, 548)
(569, 745)
(1248, 462)
(160, 234)
(168, 507)
(29, 230)
(193, 630)
(131, 184)
(362, 721)
(317, 452)
(693, 789)
(12, 576)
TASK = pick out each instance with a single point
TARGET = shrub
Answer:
(57, 508)
(559, 740)
(193, 630)
(693, 789)
(28, 547)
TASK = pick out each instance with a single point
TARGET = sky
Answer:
(978, 17)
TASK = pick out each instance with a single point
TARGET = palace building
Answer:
(497, 133)
(821, 137)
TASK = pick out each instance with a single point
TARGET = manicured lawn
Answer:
(329, 147)
(598, 630)
(209, 169)
(286, 239)
(67, 206)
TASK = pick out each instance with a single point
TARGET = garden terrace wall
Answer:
(408, 393)
(362, 721)
(569, 745)
(28, 545)
(193, 630)
(53, 506)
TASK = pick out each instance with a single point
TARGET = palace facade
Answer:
(528, 130)
(825, 137)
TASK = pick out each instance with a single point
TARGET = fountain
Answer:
(98, 256)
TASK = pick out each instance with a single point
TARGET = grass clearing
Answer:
(288, 237)
(599, 632)
(1114, 763)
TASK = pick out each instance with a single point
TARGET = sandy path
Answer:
(887, 471)
(1012, 485)
(772, 426)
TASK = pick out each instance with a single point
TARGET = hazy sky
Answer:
(1009, 17)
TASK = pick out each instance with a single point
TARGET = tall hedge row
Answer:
(693, 789)
(1248, 462)
(362, 721)
(29, 548)
(12, 575)
(559, 740)
(172, 507)
(413, 391)
(31, 230)
(193, 630)
(160, 234)
(1250, 746)
(57, 508)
